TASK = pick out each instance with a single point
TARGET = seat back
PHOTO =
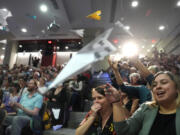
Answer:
(75, 119)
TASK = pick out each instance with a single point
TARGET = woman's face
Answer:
(100, 99)
(164, 89)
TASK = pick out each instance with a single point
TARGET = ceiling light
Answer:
(134, 3)
(3, 41)
(142, 46)
(127, 27)
(153, 45)
(161, 27)
(148, 50)
(2, 57)
(43, 8)
(3, 48)
(66, 47)
(20, 46)
(178, 3)
(24, 30)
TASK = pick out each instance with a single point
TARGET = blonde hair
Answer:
(177, 86)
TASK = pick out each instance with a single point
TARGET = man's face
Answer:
(31, 85)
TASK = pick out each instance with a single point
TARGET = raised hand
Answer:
(113, 64)
(112, 94)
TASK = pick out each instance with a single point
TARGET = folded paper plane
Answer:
(94, 51)
(4, 14)
(95, 15)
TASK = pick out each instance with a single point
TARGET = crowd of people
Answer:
(142, 97)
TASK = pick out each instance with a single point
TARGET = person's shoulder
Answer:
(38, 95)
(146, 106)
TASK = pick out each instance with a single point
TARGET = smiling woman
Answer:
(99, 120)
(166, 89)
(161, 116)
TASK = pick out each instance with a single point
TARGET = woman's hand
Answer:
(95, 108)
(113, 64)
(112, 94)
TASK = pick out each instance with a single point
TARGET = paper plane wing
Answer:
(3, 16)
(94, 51)
(95, 15)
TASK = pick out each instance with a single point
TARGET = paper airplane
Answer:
(94, 51)
(4, 14)
(95, 15)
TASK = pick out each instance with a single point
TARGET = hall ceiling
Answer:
(143, 20)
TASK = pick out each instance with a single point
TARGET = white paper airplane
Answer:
(4, 14)
(94, 51)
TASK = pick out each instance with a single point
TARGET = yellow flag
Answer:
(95, 15)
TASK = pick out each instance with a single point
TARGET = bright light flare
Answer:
(43, 8)
(24, 30)
(141, 56)
(129, 49)
(161, 27)
(134, 3)
(178, 3)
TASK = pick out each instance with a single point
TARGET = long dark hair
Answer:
(100, 90)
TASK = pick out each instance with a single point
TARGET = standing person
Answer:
(57, 99)
(158, 117)
(29, 106)
(99, 119)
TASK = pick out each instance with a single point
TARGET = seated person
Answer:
(2, 116)
(99, 119)
(11, 98)
(158, 117)
(29, 106)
